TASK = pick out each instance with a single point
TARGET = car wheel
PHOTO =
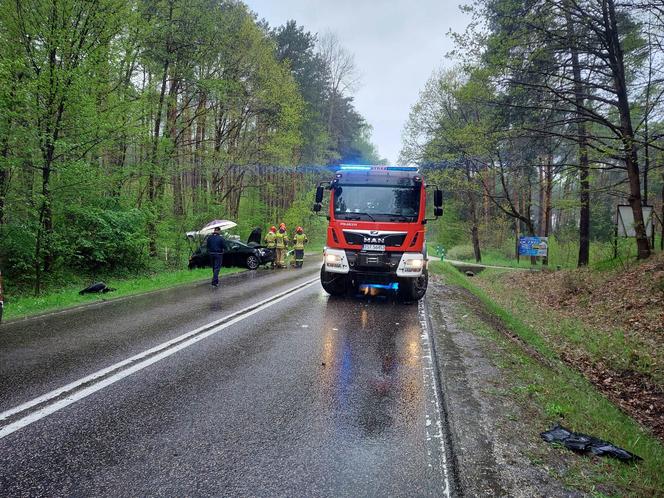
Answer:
(252, 262)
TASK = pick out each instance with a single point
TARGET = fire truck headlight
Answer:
(335, 261)
(415, 263)
(332, 259)
(411, 265)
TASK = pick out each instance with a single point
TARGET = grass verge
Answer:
(561, 394)
(563, 255)
(68, 297)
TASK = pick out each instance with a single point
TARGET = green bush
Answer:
(101, 239)
(449, 230)
(462, 252)
(17, 250)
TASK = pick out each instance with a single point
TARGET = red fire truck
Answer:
(376, 235)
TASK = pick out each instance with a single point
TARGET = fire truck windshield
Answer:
(377, 203)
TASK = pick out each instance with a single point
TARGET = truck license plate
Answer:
(373, 247)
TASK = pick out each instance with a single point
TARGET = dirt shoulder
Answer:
(501, 391)
(497, 452)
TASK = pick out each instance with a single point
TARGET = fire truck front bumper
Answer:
(382, 266)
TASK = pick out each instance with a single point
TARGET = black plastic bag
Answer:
(96, 288)
(582, 443)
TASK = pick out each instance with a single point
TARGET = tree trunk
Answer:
(630, 153)
(4, 157)
(472, 204)
(582, 138)
(486, 200)
(4, 182)
(152, 178)
(548, 190)
(197, 174)
(172, 129)
(541, 186)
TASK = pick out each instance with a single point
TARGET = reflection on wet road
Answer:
(312, 396)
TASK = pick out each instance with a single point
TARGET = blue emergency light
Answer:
(392, 286)
(368, 167)
(354, 167)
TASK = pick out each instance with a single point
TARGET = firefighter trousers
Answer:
(281, 255)
(299, 258)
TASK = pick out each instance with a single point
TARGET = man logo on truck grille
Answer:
(374, 240)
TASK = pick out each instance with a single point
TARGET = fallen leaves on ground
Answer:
(628, 302)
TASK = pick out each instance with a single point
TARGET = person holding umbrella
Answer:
(215, 246)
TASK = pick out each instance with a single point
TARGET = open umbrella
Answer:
(221, 224)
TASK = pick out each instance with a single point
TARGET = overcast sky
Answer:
(397, 44)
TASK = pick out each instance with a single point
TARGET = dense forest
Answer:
(552, 116)
(125, 123)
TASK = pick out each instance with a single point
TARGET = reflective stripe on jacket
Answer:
(282, 240)
(271, 240)
(300, 239)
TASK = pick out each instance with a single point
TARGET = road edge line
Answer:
(451, 464)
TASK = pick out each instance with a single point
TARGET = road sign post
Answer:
(625, 224)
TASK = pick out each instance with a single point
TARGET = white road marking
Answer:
(433, 424)
(133, 364)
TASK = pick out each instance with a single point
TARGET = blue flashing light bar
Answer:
(354, 167)
(392, 286)
(368, 167)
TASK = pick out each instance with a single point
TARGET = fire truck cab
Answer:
(376, 235)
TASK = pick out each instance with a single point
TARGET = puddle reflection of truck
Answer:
(376, 235)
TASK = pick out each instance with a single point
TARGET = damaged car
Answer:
(237, 254)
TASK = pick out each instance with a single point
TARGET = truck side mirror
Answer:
(317, 207)
(438, 211)
(319, 196)
(438, 198)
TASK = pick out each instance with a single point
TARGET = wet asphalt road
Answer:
(312, 396)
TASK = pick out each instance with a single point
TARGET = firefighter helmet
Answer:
(298, 229)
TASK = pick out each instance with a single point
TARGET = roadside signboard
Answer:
(625, 220)
(533, 246)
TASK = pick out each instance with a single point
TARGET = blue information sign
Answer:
(533, 246)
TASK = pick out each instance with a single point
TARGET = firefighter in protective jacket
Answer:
(271, 242)
(298, 241)
(281, 241)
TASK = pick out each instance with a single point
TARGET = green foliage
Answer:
(301, 214)
(538, 124)
(125, 124)
(17, 246)
(91, 239)
(450, 230)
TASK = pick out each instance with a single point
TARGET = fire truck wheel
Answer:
(413, 289)
(333, 283)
